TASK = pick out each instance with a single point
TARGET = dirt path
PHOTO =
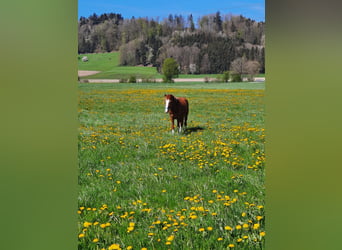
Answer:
(87, 72)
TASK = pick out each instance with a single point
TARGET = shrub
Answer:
(170, 69)
(226, 76)
(132, 79)
(236, 77)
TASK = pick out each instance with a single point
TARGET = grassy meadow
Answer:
(140, 187)
(108, 65)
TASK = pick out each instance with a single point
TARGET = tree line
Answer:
(208, 46)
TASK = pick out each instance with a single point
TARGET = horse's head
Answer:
(169, 99)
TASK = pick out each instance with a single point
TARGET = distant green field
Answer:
(108, 64)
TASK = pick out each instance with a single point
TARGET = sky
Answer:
(253, 9)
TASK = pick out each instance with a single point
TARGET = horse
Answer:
(178, 108)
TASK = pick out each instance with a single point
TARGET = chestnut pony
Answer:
(178, 108)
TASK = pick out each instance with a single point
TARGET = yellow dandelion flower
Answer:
(103, 225)
(219, 239)
(114, 247)
(170, 238)
(259, 217)
(96, 240)
(164, 190)
(231, 245)
(245, 237)
(201, 229)
(167, 243)
(131, 224)
(256, 226)
(129, 247)
(228, 228)
(262, 234)
(245, 226)
(209, 228)
(144, 248)
(87, 224)
(81, 235)
(150, 234)
(238, 227)
(239, 240)
(243, 214)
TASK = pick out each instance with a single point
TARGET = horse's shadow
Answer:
(193, 129)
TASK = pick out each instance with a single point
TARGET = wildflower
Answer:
(228, 228)
(219, 239)
(238, 227)
(259, 217)
(103, 225)
(95, 240)
(201, 229)
(239, 240)
(231, 245)
(209, 228)
(170, 238)
(256, 226)
(245, 226)
(87, 224)
(114, 247)
(245, 237)
(243, 214)
(262, 234)
(164, 190)
(129, 247)
(81, 235)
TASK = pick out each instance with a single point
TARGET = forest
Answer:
(211, 44)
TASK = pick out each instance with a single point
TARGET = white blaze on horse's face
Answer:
(167, 101)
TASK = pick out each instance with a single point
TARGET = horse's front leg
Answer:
(172, 125)
(179, 125)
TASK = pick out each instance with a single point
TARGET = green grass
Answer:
(108, 64)
(99, 62)
(141, 186)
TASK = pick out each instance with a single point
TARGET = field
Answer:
(108, 64)
(140, 187)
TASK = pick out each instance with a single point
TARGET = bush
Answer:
(132, 79)
(226, 76)
(236, 77)
(170, 69)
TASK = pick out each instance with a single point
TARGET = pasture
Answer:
(140, 187)
(108, 64)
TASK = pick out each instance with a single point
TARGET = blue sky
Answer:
(254, 9)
